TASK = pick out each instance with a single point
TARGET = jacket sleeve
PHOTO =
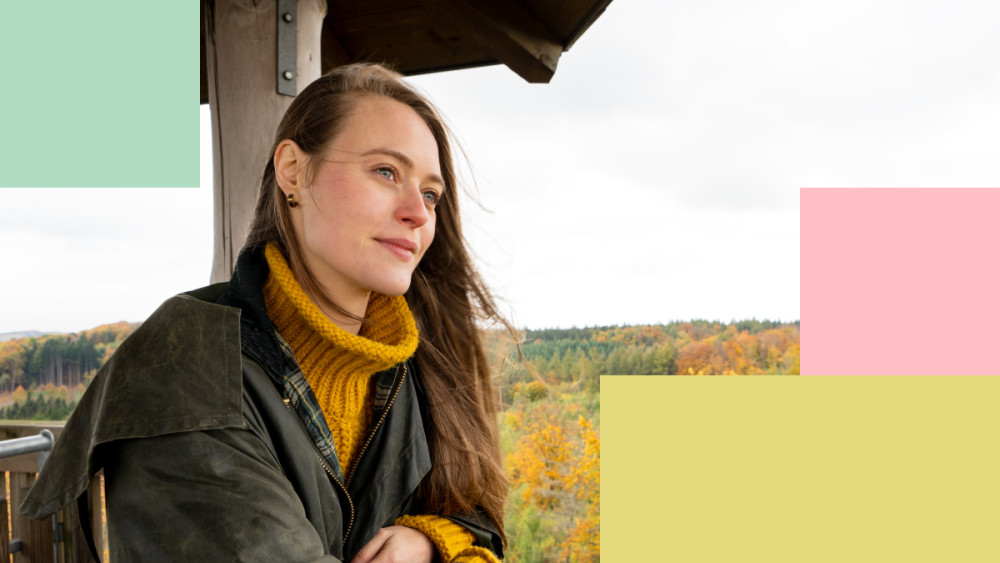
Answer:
(453, 541)
(202, 496)
(482, 529)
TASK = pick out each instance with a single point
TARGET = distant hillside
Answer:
(5, 336)
(581, 355)
(58, 359)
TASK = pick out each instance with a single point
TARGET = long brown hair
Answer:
(447, 296)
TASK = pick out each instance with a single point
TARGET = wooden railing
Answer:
(24, 539)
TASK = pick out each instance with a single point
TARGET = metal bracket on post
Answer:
(287, 47)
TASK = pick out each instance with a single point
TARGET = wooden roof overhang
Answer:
(423, 36)
(257, 55)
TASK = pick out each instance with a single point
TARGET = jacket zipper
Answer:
(357, 460)
(371, 435)
(322, 462)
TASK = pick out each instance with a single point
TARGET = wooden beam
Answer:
(509, 32)
(334, 54)
(241, 54)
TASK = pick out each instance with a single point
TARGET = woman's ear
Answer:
(289, 161)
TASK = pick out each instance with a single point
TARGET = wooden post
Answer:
(4, 531)
(241, 53)
(98, 514)
(75, 546)
(35, 535)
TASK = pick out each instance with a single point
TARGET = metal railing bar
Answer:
(43, 442)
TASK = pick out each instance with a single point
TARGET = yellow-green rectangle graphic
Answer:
(800, 469)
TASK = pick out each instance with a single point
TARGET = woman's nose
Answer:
(413, 208)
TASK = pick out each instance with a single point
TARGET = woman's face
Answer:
(368, 215)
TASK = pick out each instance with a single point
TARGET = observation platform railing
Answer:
(24, 539)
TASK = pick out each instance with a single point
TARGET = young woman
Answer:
(333, 400)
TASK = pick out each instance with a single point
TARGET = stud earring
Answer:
(291, 201)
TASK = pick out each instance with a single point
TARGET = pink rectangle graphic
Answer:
(900, 281)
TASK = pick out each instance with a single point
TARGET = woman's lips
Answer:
(401, 247)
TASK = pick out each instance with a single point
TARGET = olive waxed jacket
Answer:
(205, 459)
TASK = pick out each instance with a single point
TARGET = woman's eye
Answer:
(432, 197)
(387, 173)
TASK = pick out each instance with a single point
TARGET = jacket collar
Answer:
(259, 338)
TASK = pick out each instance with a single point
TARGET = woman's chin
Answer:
(392, 289)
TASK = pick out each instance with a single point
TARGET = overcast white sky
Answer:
(656, 178)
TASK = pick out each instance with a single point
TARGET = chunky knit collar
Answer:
(388, 336)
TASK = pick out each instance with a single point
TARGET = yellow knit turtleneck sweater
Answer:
(339, 367)
(337, 364)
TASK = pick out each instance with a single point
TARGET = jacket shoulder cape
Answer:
(153, 385)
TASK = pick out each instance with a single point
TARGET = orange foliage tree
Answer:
(555, 464)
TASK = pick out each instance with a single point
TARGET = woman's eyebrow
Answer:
(407, 161)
